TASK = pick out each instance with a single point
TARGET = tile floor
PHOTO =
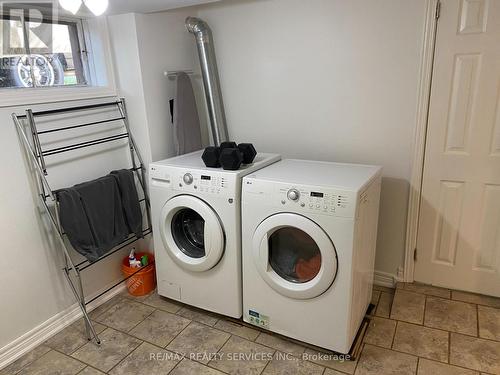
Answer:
(416, 329)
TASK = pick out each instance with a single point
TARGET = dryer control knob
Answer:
(188, 178)
(293, 195)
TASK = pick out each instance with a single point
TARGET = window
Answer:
(40, 52)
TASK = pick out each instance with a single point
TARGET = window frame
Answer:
(96, 59)
(76, 26)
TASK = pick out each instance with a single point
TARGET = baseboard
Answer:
(385, 279)
(38, 335)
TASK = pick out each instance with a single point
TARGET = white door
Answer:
(458, 242)
(294, 256)
(191, 233)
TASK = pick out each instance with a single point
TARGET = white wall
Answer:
(328, 80)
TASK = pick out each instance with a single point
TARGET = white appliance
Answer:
(309, 231)
(196, 215)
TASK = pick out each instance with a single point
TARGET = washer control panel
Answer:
(190, 181)
(302, 198)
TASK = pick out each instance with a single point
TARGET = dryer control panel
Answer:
(302, 198)
(193, 181)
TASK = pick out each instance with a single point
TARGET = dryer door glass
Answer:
(294, 255)
(188, 230)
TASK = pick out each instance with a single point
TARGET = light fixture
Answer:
(71, 5)
(97, 7)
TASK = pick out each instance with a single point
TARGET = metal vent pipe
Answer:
(208, 64)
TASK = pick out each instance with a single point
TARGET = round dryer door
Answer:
(294, 256)
(192, 233)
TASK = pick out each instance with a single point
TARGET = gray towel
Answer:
(130, 200)
(92, 215)
(187, 133)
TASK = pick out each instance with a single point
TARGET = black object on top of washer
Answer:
(248, 151)
(231, 159)
(224, 145)
(211, 157)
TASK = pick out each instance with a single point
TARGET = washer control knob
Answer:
(188, 178)
(293, 195)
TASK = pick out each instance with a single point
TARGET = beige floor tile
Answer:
(54, 363)
(476, 298)
(329, 371)
(380, 332)
(375, 297)
(237, 329)
(426, 367)
(280, 344)
(163, 303)
(384, 305)
(285, 364)
(26, 359)
(408, 307)
(187, 367)
(126, 294)
(198, 342)
(199, 315)
(99, 310)
(421, 341)
(489, 322)
(160, 328)
(147, 359)
(242, 357)
(379, 361)
(451, 315)
(114, 347)
(90, 371)
(384, 289)
(331, 360)
(428, 289)
(125, 315)
(477, 354)
(72, 337)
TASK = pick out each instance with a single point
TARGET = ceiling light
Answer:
(71, 5)
(97, 7)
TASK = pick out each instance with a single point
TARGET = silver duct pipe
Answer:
(208, 63)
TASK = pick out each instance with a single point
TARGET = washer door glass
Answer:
(192, 233)
(188, 230)
(294, 256)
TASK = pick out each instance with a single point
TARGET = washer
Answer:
(309, 235)
(197, 231)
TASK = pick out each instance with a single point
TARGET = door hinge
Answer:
(415, 254)
(438, 10)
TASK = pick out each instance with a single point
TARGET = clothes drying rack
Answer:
(30, 138)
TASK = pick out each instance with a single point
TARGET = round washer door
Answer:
(294, 256)
(192, 233)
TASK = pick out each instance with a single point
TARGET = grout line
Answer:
(449, 347)
(477, 322)
(394, 336)
(418, 364)
(425, 309)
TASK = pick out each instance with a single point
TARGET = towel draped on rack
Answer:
(187, 131)
(100, 214)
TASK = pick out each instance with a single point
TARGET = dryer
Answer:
(309, 231)
(196, 214)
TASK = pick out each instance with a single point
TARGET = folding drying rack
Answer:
(29, 134)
